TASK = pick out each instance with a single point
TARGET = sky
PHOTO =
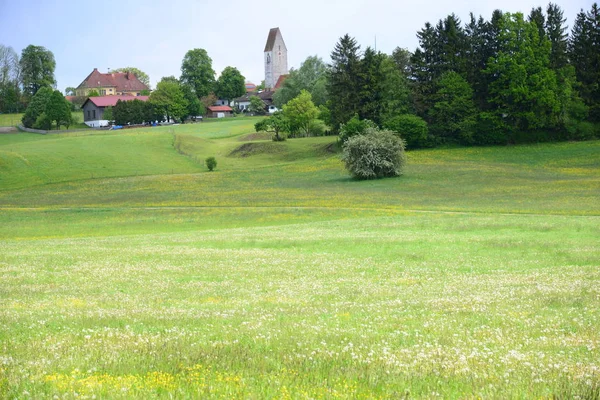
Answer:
(154, 35)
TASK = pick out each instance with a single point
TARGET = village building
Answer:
(111, 84)
(275, 58)
(219, 112)
(93, 108)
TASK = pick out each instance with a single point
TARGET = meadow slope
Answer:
(130, 271)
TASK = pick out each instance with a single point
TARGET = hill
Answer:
(129, 270)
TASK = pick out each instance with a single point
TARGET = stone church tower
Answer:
(275, 58)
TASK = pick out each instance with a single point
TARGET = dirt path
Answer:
(7, 129)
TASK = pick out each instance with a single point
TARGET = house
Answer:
(111, 84)
(93, 108)
(219, 111)
(243, 102)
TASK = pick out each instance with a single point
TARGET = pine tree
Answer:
(342, 82)
(556, 33)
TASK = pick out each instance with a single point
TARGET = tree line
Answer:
(508, 79)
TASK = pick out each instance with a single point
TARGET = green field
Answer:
(130, 271)
(15, 119)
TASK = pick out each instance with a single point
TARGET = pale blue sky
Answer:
(155, 35)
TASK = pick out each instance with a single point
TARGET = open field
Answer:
(15, 119)
(130, 271)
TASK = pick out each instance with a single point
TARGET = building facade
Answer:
(111, 84)
(275, 58)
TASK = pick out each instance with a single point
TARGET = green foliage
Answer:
(300, 112)
(108, 114)
(194, 107)
(453, 114)
(524, 91)
(141, 75)
(413, 129)
(58, 109)
(375, 154)
(211, 163)
(311, 76)
(276, 123)
(342, 81)
(135, 112)
(70, 91)
(37, 106)
(43, 122)
(93, 93)
(257, 106)
(197, 72)
(355, 126)
(37, 69)
(316, 127)
(231, 84)
(489, 130)
(169, 97)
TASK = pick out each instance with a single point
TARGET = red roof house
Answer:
(112, 83)
(220, 111)
(93, 108)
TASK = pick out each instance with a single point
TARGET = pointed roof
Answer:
(271, 39)
(111, 101)
(122, 81)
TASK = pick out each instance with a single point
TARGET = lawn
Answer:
(130, 271)
(15, 119)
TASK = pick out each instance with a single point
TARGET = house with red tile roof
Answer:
(219, 111)
(111, 84)
(93, 108)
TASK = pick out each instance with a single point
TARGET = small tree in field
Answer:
(257, 106)
(277, 124)
(211, 163)
(376, 154)
(301, 111)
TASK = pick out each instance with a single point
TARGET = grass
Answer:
(276, 276)
(15, 119)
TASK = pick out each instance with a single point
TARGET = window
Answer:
(94, 114)
(89, 114)
(102, 92)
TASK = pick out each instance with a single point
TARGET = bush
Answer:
(355, 126)
(317, 127)
(43, 122)
(580, 130)
(411, 128)
(262, 125)
(211, 163)
(489, 129)
(376, 154)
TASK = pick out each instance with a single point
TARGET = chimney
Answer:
(127, 76)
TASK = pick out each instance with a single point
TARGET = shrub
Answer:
(355, 126)
(580, 130)
(211, 163)
(376, 154)
(262, 125)
(317, 128)
(489, 129)
(43, 122)
(411, 128)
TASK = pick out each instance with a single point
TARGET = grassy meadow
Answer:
(15, 119)
(130, 271)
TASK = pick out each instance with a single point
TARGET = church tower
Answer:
(275, 58)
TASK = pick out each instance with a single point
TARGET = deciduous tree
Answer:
(37, 69)
(231, 84)
(197, 72)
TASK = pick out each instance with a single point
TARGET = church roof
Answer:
(271, 39)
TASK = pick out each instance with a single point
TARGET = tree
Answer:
(108, 114)
(36, 106)
(231, 84)
(277, 123)
(524, 91)
(70, 91)
(211, 163)
(194, 107)
(556, 33)
(208, 101)
(37, 69)
(58, 109)
(342, 79)
(584, 54)
(301, 111)
(93, 93)
(311, 76)
(197, 72)
(169, 97)
(10, 69)
(411, 128)
(257, 106)
(376, 154)
(401, 58)
(453, 114)
(141, 75)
